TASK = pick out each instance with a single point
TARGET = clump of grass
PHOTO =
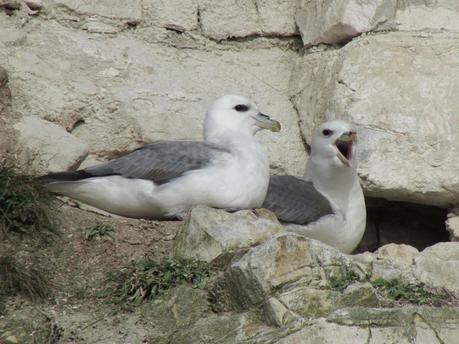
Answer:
(393, 289)
(18, 279)
(417, 294)
(24, 203)
(98, 230)
(347, 278)
(147, 278)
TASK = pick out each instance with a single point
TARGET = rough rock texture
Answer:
(232, 18)
(438, 266)
(120, 9)
(103, 77)
(419, 15)
(285, 259)
(113, 93)
(452, 225)
(393, 86)
(48, 144)
(211, 233)
(336, 21)
(165, 13)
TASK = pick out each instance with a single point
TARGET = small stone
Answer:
(399, 254)
(274, 312)
(34, 5)
(452, 225)
(11, 340)
(364, 260)
(360, 294)
(438, 266)
(10, 4)
(213, 233)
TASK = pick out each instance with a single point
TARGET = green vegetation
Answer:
(18, 279)
(393, 289)
(343, 281)
(147, 278)
(409, 292)
(24, 203)
(99, 230)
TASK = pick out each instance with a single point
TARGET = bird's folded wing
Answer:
(295, 200)
(160, 162)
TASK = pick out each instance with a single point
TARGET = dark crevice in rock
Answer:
(306, 146)
(424, 320)
(402, 223)
(370, 335)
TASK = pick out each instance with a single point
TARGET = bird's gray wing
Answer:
(295, 200)
(160, 162)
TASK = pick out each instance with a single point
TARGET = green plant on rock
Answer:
(98, 230)
(24, 203)
(345, 279)
(147, 278)
(409, 292)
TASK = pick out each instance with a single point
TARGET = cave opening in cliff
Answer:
(402, 223)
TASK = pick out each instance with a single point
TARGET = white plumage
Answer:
(163, 180)
(328, 203)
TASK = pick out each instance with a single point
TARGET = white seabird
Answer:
(328, 203)
(164, 179)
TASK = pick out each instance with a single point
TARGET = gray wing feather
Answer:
(160, 161)
(295, 200)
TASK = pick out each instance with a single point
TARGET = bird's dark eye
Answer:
(241, 108)
(327, 132)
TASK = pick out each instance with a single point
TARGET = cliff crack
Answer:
(424, 320)
(300, 123)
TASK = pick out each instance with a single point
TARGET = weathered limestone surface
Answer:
(283, 260)
(211, 233)
(452, 224)
(418, 15)
(180, 15)
(48, 144)
(438, 266)
(97, 78)
(232, 18)
(338, 21)
(398, 88)
(131, 10)
(117, 92)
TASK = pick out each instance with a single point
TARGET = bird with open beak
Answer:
(327, 203)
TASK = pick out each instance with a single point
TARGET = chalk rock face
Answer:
(112, 92)
(180, 15)
(281, 261)
(395, 87)
(49, 144)
(452, 224)
(323, 21)
(212, 233)
(232, 18)
(438, 266)
(417, 15)
(119, 9)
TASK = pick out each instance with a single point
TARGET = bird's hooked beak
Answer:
(264, 122)
(345, 147)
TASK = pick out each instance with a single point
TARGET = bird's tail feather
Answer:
(65, 176)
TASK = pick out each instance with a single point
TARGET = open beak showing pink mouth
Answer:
(345, 147)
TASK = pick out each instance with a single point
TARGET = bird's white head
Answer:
(335, 143)
(233, 113)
